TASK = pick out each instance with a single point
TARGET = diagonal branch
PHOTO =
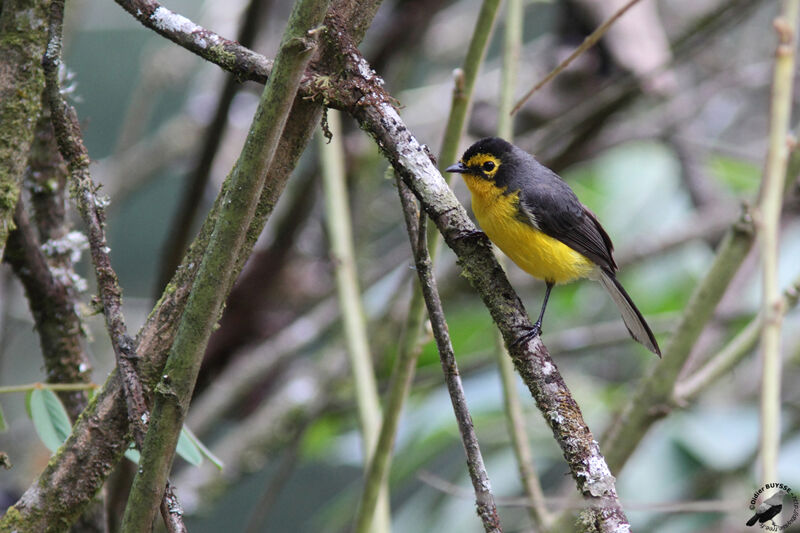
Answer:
(101, 434)
(199, 176)
(360, 93)
(230, 55)
(409, 346)
(53, 305)
(415, 224)
(216, 273)
(732, 353)
(654, 398)
(92, 210)
(587, 43)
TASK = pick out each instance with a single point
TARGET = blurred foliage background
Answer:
(661, 130)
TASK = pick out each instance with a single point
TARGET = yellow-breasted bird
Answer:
(534, 217)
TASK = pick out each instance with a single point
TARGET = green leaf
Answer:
(3, 425)
(49, 417)
(202, 447)
(188, 449)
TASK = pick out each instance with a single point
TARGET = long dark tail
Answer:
(753, 520)
(634, 321)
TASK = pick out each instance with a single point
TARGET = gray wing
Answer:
(553, 208)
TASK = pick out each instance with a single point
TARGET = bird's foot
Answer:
(534, 331)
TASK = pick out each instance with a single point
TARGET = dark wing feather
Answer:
(551, 206)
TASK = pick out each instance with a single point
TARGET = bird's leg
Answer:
(536, 330)
(538, 324)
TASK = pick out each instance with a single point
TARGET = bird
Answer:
(769, 508)
(536, 219)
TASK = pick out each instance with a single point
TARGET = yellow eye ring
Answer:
(488, 166)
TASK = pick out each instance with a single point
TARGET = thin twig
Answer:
(412, 161)
(704, 506)
(337, 215)
(172, 511)
(653, 399)
(734, 351)
(191, 201)
(415, 224)
(515, 420)
(410, 344)
(213, 280)
(92, 210)
(55, 387)
(587, 43)
(768, 219)
(230, 55)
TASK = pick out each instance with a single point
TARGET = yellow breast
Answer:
(534, 252)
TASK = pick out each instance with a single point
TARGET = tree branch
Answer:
(409, 347)
(360, 93)
(415, 224)
(768, 220)
(587, 43)
(340, 231)
(172, 511)
(733, 352)
(23, 36)
(92, 210)
(216, 273)
(100, 436)
(653, 399)
(175, 244)
(230, 55)
(53, 305)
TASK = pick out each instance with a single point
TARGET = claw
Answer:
(534, 331)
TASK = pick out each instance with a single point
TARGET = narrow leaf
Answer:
(3, 425)
(188, 449)
(203, 449)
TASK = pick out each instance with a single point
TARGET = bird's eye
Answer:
(488, 166)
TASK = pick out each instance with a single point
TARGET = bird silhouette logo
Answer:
(768, 506)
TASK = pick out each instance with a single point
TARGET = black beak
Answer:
(458, 168)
